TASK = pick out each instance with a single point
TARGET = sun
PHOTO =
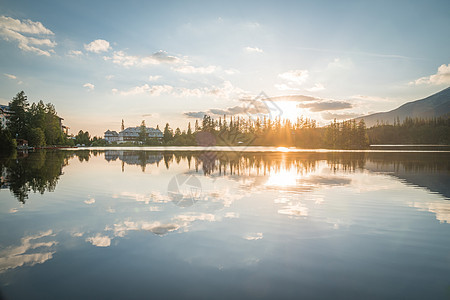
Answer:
(290, 111)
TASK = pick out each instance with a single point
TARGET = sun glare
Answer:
(290, 111)
(283, 149)
(282, 178)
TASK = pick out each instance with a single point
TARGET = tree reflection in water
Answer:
(40, 171)
(36, 171)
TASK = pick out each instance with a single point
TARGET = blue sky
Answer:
(101, 62)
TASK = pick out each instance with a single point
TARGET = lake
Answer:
(260, 223)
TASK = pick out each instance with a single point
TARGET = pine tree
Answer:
(18, 121)
(196, 128)
(143, 136)
(168, 134)
(189, 130)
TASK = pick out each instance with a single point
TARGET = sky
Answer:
(100, 62)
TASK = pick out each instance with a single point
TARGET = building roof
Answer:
(5, 108)
(131, 131)
(109, 132)
(138, 129)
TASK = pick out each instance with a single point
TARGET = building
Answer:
(111, 136)
(131, 134)
(64, 129)
(4, 114)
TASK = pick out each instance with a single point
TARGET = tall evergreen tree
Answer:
(143, 136)
(168, 134)
(18, 121)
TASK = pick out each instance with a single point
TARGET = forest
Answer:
(412, 131)
(37, 123)
(40, 125)
(237, 131)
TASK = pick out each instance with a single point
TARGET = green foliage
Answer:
(25, 119)
(36, 137)
(99, 142)
(412, 131)
(346, 135)
(18, 121)
(167, 134)
(143, 136)
(7, 143)
(83, 138)
(52, 127)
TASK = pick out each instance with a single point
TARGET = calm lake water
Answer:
(124, 224)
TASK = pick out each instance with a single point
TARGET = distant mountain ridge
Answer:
(436, 105)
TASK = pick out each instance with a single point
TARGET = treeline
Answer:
(37, 123)
(412, 131)
(84, 138)
(303, 133)
(40, 125)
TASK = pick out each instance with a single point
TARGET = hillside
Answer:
(436, 105)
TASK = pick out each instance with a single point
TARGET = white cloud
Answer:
(99, 240)
(195, 70)
(154, 90)
(120, 58)
(253, 50)
(109, 77)
(317, 87)
(125, 60)
(89, 86)
(153, 77)
(254, 237)
(371, 98)
(15, 30)
(75, 53)
(160, 57)
(232, 215)
(27, 26)
(441, 77)
(226, 91)
(231, 71)
(295, 76)
(97, 46)
(10, 76)
(285, 87)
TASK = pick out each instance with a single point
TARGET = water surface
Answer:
(134, 224)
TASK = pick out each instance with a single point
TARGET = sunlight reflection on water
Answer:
(207, 219)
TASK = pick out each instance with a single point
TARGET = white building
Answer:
(131, 134)
(111, 136)
(4, 113)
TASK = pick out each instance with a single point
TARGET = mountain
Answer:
(436, 105)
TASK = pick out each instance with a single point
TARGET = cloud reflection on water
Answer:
(298, 187)
(31, 251)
